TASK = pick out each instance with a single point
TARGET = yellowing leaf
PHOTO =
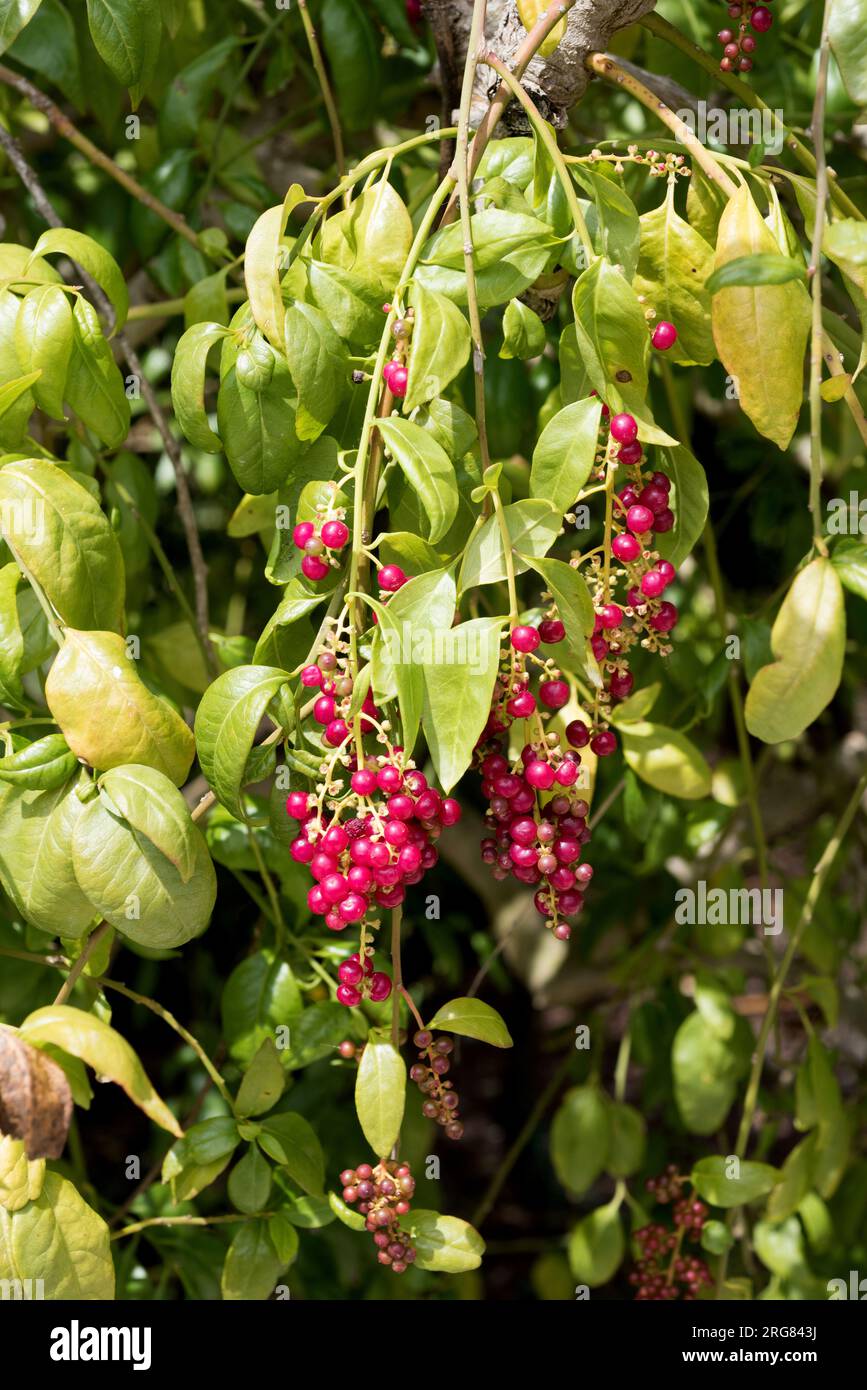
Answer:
(108, 715)
(666, 759)
(261, 269)
(807, 639)
(760, 331)
(59, 1240)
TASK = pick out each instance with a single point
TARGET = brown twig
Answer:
(49, 214)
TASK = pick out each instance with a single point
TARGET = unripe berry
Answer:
(623, 428)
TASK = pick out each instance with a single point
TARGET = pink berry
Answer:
(623, 428)
(539, 774)
(554, 694)
(336, 733)
(349, 972)
(667, 570)
(380, 986)
(335, 534)
(525, 639)
(639, 519)
(314, 568)
(625, 548)
(348, 995)
(761, 19)
(450, 812)
(323, 709)
(296, 805)
(363, 782)
(656, 498)
(353, 907)
(620, 684)
(652, 584)
(611, 615)
(303, 532)
(391, 578)
(388, 779)
(522, 706)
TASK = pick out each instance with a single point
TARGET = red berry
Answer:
(652, 584)
(525, 639)
(625, 548)
(336, 733)
(577, 733)
(303, 532)
(314, 568)
(348, 995)
(611, 614)
(551, 631)
(725, 36)
(639, 519)
(335, 534)
(296, 805)
(664, 520)
(391, 578)
(623, 428)
(663, 337)
(604, 743)
(539, 774)
(554, 694)
(363, 782)
(629, 455)
(748, 44)
(380, 988)
(761, 19)
(665, 619)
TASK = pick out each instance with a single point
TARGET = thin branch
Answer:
(327, 94)
(49, 214)
(817, 130)
(92, 942)
(70, 132)
(461, 167)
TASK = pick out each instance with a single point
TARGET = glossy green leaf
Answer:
(705, 1069)
(565, 453)
(252, 1266)
(795, 1179)
(262, 266)
(848, 35)
(808, 640)
(523, 332)
(533, 527)
(126, 35)
(580, 1138)
(291, 1142)
(260, 995)
(380, 1095)
(845, 243)
(43, 342)
(108, 715)
(674, 263)
(11, 640)
(93, 258)
(226, 722)
(262, 1085)
(440, 345)
(444, 1244)
(134, 886)
(763, 268)
(597, 1246)
(36, 829)
(40, 766)
(188, 384)
(666, 759)
(65, 542)
(689, 502)
(612, 334)
(94, 385)
(352, 48)
(428, 470)
(627, 1140)
(153, 807)
(731, 1182)
(471, 1018)
(14, 16)
(351, 304)
(259, 428)
(457, 694)
(250, 1182)
(319, 365)
(21, 1179)
(372, 237)
(60, 1240)
(510, 250)
(101, 1047)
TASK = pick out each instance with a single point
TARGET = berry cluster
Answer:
(429, 1074)
(739, 47)
(663, 1272)
(382, 1194)
(329, 674)
(359, 980)
(315, 538)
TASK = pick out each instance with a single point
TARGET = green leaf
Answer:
(284, 1236)
(43, 342)
(135, 887)
(188, 384)
(533, 526)
(252, 1266)
(250, 1182)
(352, 305)
(716, 1238)
(763, 268)
(352, 49)
(14, 16)
(781, 1247)
(614, 213)
(440, 345)
(457, 694)
(108, 715)
(97, 1044)
(731, 1182)
(443, 1244)
(226, 722)
(353, 1219)
(795, 1179)
(40, 766)
(471, 1018)
(261, 266)
(626, 1145)
(65, 542)
(380, 1094)
(845, 242)
(36, 829)
(689, 497)
(263, 1081)
(21, 1178)
(428, 470)
(11, 639)
(373, 236)
(674, 263)
(612, 334)
(848, 36)
(126, 35)
(291, 1142)
(666, 759)
(510, 251)
(15, 391)
(705, 1069)
(597, 1246)
(59, 1239)
(760, 323)
(319, 365)
(523, 332)
(580, 1138)
(93, 258)
(259, 428)
(808, 641)
(94, 386)
(185, 102)
(565, 453)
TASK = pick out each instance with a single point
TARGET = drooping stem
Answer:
(508, 558)
(815, 270)
(606, 67)
(663, 29)
(397, 975)
(271, 890)
(461, 166)
(327, 94)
